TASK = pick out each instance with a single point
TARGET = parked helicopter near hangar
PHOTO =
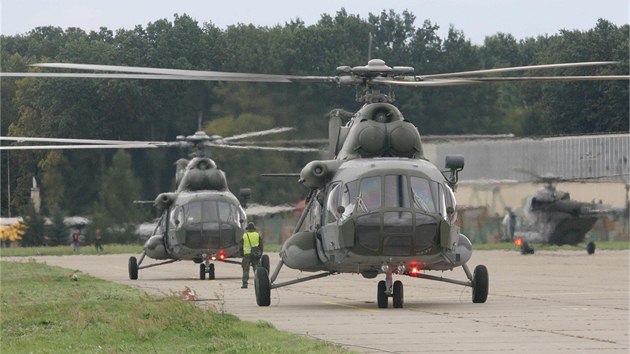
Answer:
(378, 207)
(202, 220)
(550, 216)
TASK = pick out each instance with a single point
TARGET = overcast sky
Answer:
(477, 18)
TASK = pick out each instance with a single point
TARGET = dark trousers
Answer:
(247, 261)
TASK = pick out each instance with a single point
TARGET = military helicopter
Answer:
(202, 220)
(378, 207)
(550, 216)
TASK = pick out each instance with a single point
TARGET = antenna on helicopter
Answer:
(370, 38)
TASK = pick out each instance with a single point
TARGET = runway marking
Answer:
(349, 306)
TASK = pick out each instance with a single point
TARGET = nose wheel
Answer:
(386, 289)
(206, 268)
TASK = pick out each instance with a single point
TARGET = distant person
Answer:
(252, 251)
(509, 225)
(97, 240)
(76, 241)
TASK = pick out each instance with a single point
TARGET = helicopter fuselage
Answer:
(380, 211)
(196, 225)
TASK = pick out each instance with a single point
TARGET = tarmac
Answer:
(549, 302)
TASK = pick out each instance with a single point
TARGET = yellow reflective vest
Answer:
(250, 239)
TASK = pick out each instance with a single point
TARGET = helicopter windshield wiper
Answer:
(362, 204)
(419, 203)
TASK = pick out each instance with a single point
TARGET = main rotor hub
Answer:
(366, 77)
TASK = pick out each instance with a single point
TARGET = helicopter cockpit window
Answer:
(422, 196)
(349, 198)
(193, 212)
(332, 200)
(176, 216)
(210, 211)
(370, 194)
(226, 212)
(396, 191)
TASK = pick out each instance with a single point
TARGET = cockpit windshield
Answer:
(209, 211)
(376, 192)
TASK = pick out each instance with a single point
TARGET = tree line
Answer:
(104, 183)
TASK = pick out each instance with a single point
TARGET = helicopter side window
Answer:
(442, 200)
(349, 197)
(422, 196)
(449, 198)
(176, 217)
(396, 191)
(370, 194)
(332, 200)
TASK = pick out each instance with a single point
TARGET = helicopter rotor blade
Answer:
(135, 72)
(268, 148)
(427, 83)
(258, 133)
(77, 141)
(517, 68)
(552, 78)
(75, 147)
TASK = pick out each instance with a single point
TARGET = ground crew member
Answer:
(252, 251)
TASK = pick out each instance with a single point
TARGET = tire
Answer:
(202, 271)
(133, 268)
(211, 272)
(590, 248)
(398, 295)
(262, 287)
(480, 284)
(264, 262)
(381, 297)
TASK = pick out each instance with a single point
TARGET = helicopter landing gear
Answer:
(525, 249)
(381, 295)
(590, 248)
(206, 268)
(264, 262)
(480, 282)
(133, 268)
(262, 287)
(385, 289)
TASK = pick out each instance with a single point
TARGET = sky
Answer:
(476, 18)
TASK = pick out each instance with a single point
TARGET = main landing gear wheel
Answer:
(480, 283)
(381, 296)
(590, 247)
(264, 261)
(133, 268)
(211, 271)
(398, 295)
(202, 271)
(262, 286)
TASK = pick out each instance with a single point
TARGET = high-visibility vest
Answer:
(250, 239)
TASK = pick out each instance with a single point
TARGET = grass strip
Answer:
(45, 309)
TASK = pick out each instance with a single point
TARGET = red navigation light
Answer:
(221, 255)
(518, 241)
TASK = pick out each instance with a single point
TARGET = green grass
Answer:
(609, 245)
(44, 311)
(67, 250)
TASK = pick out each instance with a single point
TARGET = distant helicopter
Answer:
(202, 220)
(378, 207)
(550, 216)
